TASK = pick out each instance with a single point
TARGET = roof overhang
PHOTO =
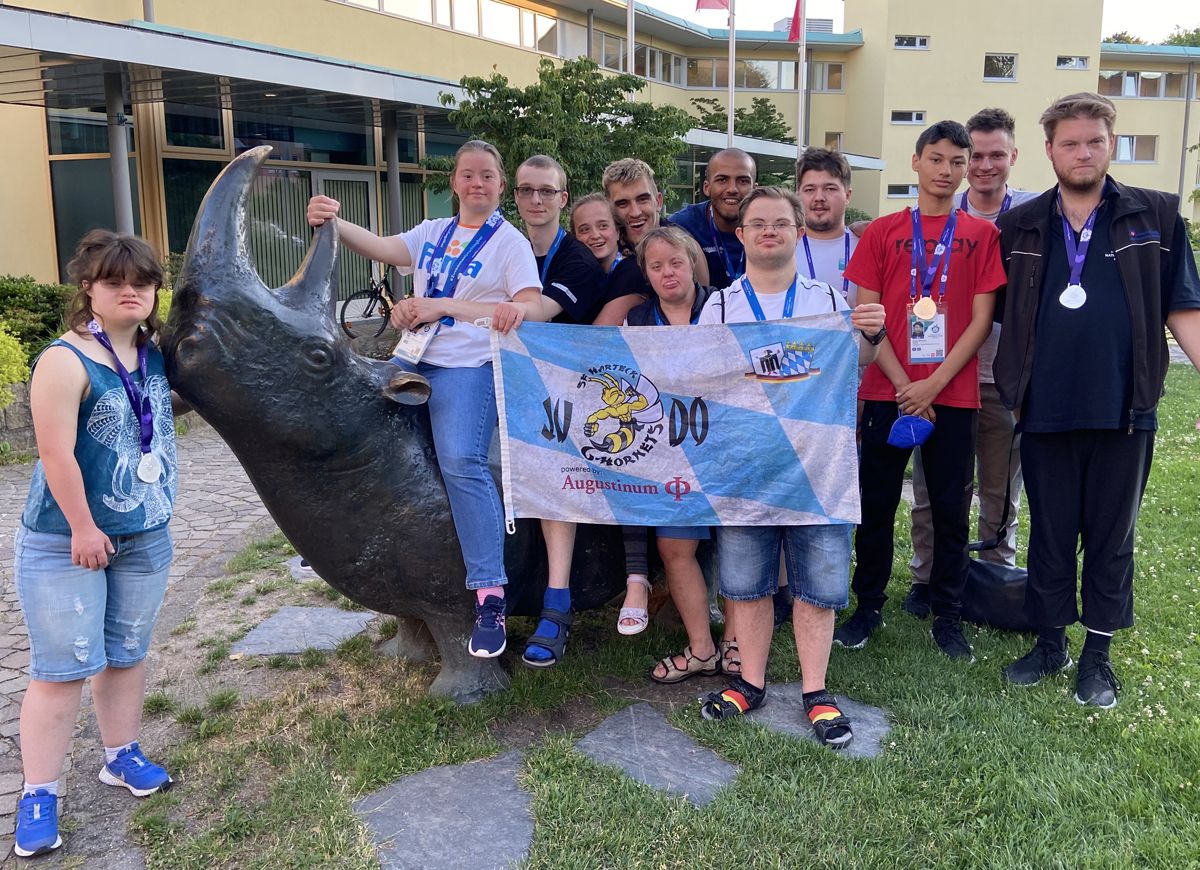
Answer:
(1120, 51)
(771, 156)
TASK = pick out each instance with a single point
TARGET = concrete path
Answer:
(216, 514)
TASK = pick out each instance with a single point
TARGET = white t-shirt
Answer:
(504, 266)
(987, 350)
(829, 260)
(731, 306)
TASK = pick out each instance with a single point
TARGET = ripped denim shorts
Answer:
(81, 621)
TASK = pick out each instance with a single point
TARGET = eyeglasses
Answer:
(543, 192)
(777, 226)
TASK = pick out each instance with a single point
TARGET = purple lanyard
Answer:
(1076, 254)
(720, 246)
(481, 237)
(941, 254)
(139, 400)
(1004, 206)
(812, 272)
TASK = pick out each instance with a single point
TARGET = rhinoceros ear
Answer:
(217, 251)
(311, 288)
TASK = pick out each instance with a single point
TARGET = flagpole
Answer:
(629, 36)
(732, 71)
(801, 78)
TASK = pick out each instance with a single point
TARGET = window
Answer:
(193, 126)
(573, 42)
(908, 117)
(608, 50)
(1136, 149)
(421, 10)
(897, 190)
(999, 67)
(1142, 85)
(466, 16)
(919, 42)
(699, 72)
(501, 22)
(824, 77)
(833, 141)
(1071, 61)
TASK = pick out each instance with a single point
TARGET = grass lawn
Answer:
(976, 774)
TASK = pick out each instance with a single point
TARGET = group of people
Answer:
(972, 309)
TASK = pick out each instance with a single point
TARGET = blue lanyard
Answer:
(732, 272)
(618, 258)
(789, 301)
(550, 254)
(1004, 206)
(1076, 254)
(812, 271)
(482, 236)
(941, 254)
(659, 321)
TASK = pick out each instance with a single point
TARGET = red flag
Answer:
(797, 18)
(711, 4)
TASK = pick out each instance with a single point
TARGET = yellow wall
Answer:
(27, 220)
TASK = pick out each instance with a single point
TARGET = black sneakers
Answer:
(916, 602)
(1041, 661)
(854, 632)
(1096, 684)
(947, 633)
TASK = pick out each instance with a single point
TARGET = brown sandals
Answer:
(693, 667)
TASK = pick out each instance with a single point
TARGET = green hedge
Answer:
(14, 367)
(33, 311)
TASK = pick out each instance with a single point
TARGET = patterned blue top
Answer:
(107, 448)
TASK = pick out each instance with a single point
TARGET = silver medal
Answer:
(149, 468)
(1073, 297)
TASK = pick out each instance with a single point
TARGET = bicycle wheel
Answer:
(355, 312)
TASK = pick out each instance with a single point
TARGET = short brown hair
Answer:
(673, 236)
(626, 171)
(823, 160)
(544, 161)
(1081, 105)
(772, 193)
(102, 255)
(988, 120)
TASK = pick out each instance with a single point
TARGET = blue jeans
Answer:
(462, 411)
(81, 620)
(817, 559)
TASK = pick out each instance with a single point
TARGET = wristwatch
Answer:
(877, 337)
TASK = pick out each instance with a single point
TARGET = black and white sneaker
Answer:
(1096, 685)
(488, 638)
(857, 630)
(947, 633)
(1041, 661)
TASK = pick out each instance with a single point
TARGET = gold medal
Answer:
(925, 308)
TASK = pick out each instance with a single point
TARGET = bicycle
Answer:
(363, 305)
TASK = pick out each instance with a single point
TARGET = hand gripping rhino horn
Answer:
(338, 446)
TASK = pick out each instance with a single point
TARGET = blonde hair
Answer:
(1081, 105)
(673, 236)
(626, 171)
(588, 200)
(103, 255)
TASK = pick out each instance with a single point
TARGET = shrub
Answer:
(14, 368)
(33, 311)
(854, 215)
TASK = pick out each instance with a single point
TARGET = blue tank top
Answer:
(107, 448)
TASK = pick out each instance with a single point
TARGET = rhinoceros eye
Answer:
(316, 355)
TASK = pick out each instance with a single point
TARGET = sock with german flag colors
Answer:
(830, 724)
(739, 698)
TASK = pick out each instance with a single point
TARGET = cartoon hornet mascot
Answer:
(631, 407)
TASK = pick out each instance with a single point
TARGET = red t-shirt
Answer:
(882, 262)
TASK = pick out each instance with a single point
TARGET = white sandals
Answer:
(639, 617)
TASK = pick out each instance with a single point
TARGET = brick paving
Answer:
(216, 513)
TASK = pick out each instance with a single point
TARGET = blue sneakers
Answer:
(133, 771)
(488, 637)
(37, 824)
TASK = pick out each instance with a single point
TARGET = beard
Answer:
(1077, 185)
(821, 225)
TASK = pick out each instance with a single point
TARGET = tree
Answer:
(1179, 36)
(574, 113)
(762, 120)
(1125, 38)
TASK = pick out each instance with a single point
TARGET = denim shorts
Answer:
(80, 620)
(817, 559)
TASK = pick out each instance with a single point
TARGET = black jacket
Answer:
(643, 315)
(1150, 241)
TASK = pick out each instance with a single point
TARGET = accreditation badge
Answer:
(414, 342)
(926, 338)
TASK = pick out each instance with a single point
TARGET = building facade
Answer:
(331, 83)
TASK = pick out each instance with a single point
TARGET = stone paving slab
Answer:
(291, 630)
(640, 742)
(431, 820)
(300, 574)
(784, 712)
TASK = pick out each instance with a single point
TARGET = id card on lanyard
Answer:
(415, 342)
(927, 317)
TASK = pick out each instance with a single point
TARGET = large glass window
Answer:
(699, 72)
(184, 184)
(278, 232)
(83, 200)
(305, 141)
(573, 39)
(1143, 84)
(421, 10)
(466, 16)
(824, 76)
(501, 22)
(194, 126)
(80, 131)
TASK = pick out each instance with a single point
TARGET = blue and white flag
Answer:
(738, 424)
